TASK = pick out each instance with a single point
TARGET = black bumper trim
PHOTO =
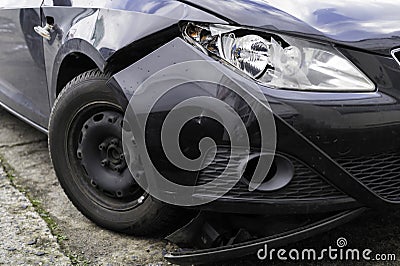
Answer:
(251, 206)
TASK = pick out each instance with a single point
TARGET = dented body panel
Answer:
(100, 28)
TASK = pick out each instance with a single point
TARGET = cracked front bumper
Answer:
(344, 147)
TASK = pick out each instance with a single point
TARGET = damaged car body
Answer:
(329, 73)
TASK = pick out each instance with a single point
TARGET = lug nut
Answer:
(118, 168)
(112, 119)
(104, 163)
(114, 142)
(102, 146)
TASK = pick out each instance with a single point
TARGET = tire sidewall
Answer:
(71, 100)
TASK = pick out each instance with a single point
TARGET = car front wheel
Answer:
(85, 134)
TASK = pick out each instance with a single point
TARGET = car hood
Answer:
(372, 25)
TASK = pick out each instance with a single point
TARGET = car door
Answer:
(23, 85)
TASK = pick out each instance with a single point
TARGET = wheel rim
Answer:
(96, 155)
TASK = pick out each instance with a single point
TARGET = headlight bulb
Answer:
(249, 53)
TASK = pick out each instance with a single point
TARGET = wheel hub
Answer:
(113, 155)
(100, 153)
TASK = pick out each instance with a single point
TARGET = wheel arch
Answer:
(75, 57)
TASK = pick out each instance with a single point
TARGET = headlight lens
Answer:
(280, 61)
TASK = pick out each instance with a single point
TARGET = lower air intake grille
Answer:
(380, 173)
(306, 184)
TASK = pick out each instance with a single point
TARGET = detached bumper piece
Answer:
(217, 242)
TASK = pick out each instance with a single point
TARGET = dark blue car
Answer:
(278, 108)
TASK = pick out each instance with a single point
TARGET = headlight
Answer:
(279, 61)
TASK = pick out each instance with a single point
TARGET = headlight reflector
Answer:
(249, 53)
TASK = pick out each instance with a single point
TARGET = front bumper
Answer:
(345, 147)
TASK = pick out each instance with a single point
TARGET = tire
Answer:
(73, 132)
